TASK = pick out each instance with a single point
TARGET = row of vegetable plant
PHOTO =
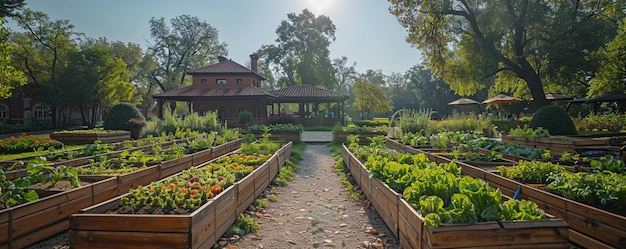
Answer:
(18, 191)
(40, 170)
(439, 192)
(604, 187)
(190, 189)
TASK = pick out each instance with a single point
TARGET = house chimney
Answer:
(253, 62)
(222, 58)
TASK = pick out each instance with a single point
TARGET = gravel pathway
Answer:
(314, 211)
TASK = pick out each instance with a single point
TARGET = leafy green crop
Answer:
(531, 171)
(439, 192)
(602, 188)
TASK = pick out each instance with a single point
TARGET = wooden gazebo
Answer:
(311, 101)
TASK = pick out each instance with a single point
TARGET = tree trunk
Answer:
(534, 84)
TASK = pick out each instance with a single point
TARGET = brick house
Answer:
(230, 88)
(25, 107)
(226, 87)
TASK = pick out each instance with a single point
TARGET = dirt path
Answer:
(314, 211)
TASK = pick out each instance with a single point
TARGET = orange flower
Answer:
(195, 192)
(216, 189)
(183, 190)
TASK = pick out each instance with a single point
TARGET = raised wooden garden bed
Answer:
(92, 228)
(76, 137)
(558, 145)
(589, 227)
(408, 225)
(400, 147)
(281, 135)
(551, 233)
(340, 137)
(23, 225)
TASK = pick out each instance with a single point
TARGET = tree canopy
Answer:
(301, 54)
(611, 75)
(10, 77)
(369, 99)
(187, 44)
(528, 42)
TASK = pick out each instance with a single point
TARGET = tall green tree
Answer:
(140, 65)
(10, 77)
(376, 77)
(9, 7)
(301, 54)
(344, 73)
(187, 44)
(41, 52)
(369, 99)
(429, 92)
(43, 46)
(611, 75)
(527, 42)
(96, 79)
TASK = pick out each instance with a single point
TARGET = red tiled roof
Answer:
(191, 92)
(224, 67)
(307, 92)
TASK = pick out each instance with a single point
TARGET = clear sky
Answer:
(366, 32)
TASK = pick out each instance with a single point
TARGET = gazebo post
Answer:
(189, 103)
(160, 108)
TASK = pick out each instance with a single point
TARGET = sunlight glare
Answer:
(319, 6)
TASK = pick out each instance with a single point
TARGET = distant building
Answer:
(230, 88)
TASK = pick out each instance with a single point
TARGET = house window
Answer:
(240, 109)
(41, 111)
(4, 112)
(222, 112)
(239, 81)
(203, 81)
(221, 81)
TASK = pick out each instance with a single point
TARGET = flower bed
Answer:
(414, 231)
(27, 143)
(93, 228)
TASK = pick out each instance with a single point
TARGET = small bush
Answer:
(554, 119)
(280, 119)
(244, 117)
(119, 116)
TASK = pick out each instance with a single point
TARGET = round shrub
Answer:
(244, 117)
(120, 115)
(554, 119)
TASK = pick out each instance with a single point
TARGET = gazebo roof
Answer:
(190, 92)
(225, 66)
(304, 93)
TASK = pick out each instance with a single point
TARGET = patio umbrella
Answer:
(558, 97)
(465, 102)
(501, 99)
(609, 97)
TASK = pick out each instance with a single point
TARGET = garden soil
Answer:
(313, 211)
